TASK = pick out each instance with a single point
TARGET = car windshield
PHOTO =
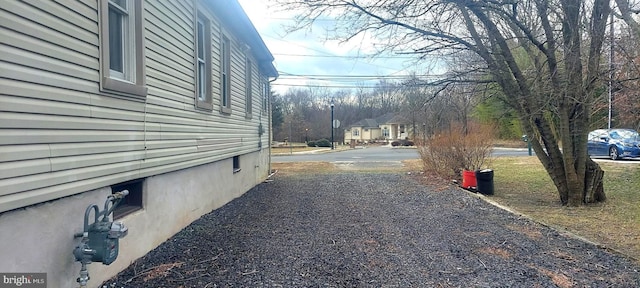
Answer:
(624, 134)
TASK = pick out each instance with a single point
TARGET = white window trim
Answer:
(203, 97)
(225, 74)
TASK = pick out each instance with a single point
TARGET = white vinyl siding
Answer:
(60, 134)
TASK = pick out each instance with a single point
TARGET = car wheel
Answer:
(613, 153)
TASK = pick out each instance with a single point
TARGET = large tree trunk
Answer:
(594, 192)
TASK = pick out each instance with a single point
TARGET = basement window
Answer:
(236, 164)
(131, 202)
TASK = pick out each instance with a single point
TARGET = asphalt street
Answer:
(375, 154)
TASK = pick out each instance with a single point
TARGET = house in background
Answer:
(386, 127)
(166, 99)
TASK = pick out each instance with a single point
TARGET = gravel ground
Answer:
(371, 230)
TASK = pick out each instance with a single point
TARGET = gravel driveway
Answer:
(371, 230)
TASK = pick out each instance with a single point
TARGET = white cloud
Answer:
(322, 58)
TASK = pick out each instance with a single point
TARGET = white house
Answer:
(386, 127)
(166, 99)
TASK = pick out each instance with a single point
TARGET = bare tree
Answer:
(544, 54)
(626, 10)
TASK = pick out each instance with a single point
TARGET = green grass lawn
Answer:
(522, 184)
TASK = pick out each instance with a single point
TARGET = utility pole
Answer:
(611, 74)
(332, 106)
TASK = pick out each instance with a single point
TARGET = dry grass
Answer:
(522, 184)
(558, 278)
(509, 143)
(303, 167)
(285, 150)
(502, 253)
(327, 167)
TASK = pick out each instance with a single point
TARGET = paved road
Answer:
(375, 154)
(368, 154)
(379, 154)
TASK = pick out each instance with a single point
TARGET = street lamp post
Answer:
(332, 105)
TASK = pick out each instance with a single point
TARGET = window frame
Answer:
(248, 87)
(206, 102)
(386, 132)
(225, 74)
(130, 82)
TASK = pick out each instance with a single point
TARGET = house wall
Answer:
(63, 142)
(39, 238)
(59, 135)
(347, 136)
(367, 134)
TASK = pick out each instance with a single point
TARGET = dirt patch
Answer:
(158, 271)
(533, 234)
(502, 253)
(303, 167)
(558, 278)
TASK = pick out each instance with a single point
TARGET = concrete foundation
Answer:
(39, 238)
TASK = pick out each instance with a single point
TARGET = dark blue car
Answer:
(614, 143)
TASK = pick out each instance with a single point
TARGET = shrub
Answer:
(449, 152)
(395, 143)
(407, 143)
(323, 143)
(311, 143)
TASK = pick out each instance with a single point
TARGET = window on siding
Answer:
(131, 202)
(225, 67)
(356, 132)
(203, 62)
(249, 87)
(122, 48)
(385, 132)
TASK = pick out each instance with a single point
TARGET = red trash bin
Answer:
(469, 179)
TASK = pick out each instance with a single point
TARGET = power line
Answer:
(348, 57)
(349, 86)
(326, 54)
(283, 73)
(330, 86)
(354, 78)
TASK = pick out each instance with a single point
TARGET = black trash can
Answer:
(484, 181)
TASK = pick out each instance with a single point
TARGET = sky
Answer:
(304, 58)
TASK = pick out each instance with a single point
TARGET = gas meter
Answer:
(100, 239)
(103, 238)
